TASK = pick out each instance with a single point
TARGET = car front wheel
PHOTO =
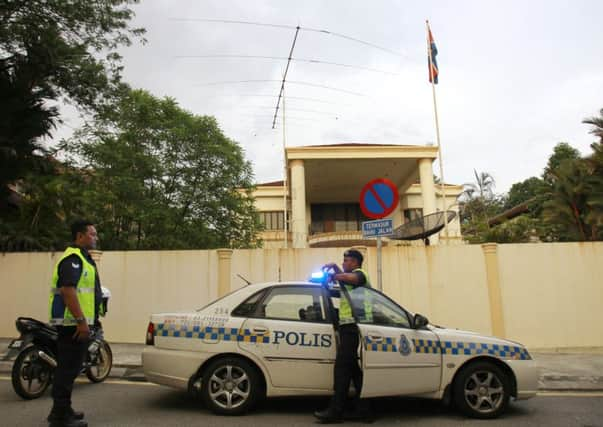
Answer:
(482, 390)
(231, 386)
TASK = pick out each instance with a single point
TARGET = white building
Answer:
(323, 192)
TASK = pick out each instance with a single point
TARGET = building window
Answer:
(329, 217)
(273, 220)
(412, 214)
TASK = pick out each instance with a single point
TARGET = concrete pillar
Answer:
(224, 257)
(494, 294)
(427, 186)
(298, 204)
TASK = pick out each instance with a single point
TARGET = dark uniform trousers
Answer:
(346, 366)
(70, 358)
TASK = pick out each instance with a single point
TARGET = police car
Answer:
(278, 339)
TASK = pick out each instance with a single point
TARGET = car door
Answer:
(396, 359)
(294, 337)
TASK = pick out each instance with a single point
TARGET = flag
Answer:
(432, 63)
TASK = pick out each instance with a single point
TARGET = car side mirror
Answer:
(419, 321)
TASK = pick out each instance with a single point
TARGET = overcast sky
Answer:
(516, 77)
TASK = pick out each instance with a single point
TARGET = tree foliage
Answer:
(566, 204)
(50, 51)
(159, 177)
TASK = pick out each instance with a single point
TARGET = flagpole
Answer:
(437, 125)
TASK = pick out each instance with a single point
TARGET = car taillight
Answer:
(150, 334)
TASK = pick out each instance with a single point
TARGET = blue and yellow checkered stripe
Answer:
(470, 349)
(222, 334)
(388, 345)
(452, 348)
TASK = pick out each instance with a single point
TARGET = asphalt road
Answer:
(124, 403)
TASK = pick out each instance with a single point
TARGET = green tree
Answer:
(482, 188)
(159, 177)
(562, 152)
(478, 202)
(594, 164)
(566, 210)
(597, 123)
(532, 190)
(51, 51)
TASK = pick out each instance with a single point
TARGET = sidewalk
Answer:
(559, 371)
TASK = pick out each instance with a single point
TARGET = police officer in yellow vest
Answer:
(353, 281)
(75, 300)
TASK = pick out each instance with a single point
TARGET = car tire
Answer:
(231, 386)
(481, 390)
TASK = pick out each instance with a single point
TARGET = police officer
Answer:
(75, 300)
(352, 280)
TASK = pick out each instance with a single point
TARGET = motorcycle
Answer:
(36, 350)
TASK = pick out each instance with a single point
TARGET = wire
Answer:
(300, 98)
(282, 58)
(299, 109)
(288, 81)
(315, 30)
(226, 21)
(343, 36)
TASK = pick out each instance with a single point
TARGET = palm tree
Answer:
(597, 122)
(567, 208)
(483, 187)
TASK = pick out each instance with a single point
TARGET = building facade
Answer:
(323, 190)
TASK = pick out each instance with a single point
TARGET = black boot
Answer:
(329, 416)
(78, 415)
(68, 422)
(66, 418)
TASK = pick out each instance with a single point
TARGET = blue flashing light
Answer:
(318, 277)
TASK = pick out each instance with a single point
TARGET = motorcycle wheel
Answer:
(101, 367)
(31, 376)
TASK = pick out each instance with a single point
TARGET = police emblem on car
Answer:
(404, 347)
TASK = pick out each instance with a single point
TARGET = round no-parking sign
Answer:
(379, 198)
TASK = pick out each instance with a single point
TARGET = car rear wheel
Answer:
(482, 390)
(231, 386)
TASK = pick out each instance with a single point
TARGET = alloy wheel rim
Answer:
(484, 392)
(229, 387)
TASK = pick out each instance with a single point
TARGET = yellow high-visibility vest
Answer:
(356, 293)
(59, 313)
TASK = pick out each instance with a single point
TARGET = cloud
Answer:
(516, 77)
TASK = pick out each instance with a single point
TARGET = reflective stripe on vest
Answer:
(360, 299)
(69, 322)
(84, 288)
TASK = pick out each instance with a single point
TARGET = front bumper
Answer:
(526, 375)
(172, 368)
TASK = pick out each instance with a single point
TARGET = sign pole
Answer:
(378, 199)
(379, 264)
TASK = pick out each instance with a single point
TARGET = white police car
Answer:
(277, 339)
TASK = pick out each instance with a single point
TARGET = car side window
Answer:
(383, 311)
(303, 303)
(248, 307)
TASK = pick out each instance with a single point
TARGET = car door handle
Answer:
(260, 331)
(376, 338)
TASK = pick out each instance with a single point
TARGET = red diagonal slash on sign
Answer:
(385, 210)
(377, 198)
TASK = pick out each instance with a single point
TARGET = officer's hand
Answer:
(82, 333)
